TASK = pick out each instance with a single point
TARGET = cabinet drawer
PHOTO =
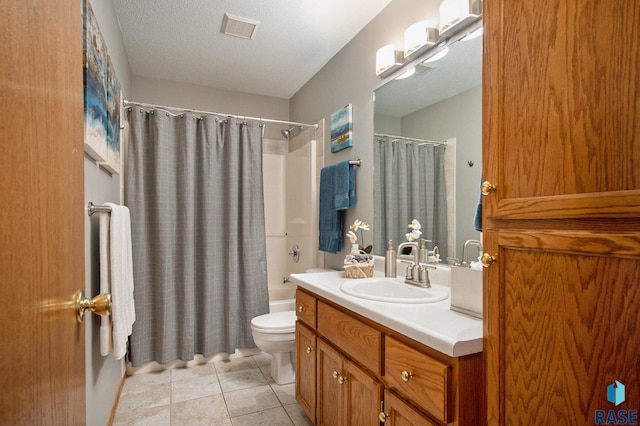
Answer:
(417, 376)
(306, 308)
(356, 339)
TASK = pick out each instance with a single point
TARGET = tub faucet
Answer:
(417, 273)
(464, 250)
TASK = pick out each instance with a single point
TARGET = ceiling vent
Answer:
(239, 27)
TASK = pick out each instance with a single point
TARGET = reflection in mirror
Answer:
(440, 102)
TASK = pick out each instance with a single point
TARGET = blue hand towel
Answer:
(477, 218)
(337, 193)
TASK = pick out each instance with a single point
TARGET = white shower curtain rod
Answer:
(219, 114)
(410, 139)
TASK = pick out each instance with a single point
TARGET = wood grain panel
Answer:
(364, 394)
(354, 338)
(330, 394)
(429, 385)
(575, 100)
(402, 414)
(306, 308)
(306, 369)
(42, 226)
(561, 109)
(570, 331)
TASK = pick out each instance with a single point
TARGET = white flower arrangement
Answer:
(353, 238)
(415, 233)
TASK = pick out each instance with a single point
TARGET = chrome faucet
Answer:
(417, 273)
(464, 250)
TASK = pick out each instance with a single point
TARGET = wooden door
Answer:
(363, 395)
(41, 219)
(306, 369)
(331, 401)
(561, 125)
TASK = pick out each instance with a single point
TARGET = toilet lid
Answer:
(277, 321)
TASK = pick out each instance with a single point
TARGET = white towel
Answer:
(123, 313)
(105, 287)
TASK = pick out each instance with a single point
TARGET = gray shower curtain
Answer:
(194, 189)
(409, 183)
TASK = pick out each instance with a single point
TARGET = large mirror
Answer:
(442, 101)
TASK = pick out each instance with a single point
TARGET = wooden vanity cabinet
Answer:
(398, 413)
(347, 394)
(365, 372)
(306, 350)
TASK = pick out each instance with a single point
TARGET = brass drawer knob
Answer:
(487, 260)
(487, 187)
(383, 416)
(300, 308)
(308, 349)
(406, 375)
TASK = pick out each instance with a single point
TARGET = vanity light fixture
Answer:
(423, 43)
(456, 13)
(473, 34)
(418, 38)
(437, 56)
(408, 73)
(388, 60)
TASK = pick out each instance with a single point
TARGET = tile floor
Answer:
(237, 392)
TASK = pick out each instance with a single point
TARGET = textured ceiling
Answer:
(181, 41)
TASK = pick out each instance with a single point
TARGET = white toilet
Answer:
(275, 334)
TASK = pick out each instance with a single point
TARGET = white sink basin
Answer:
(389, 290)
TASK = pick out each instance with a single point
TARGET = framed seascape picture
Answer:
(342, 128)
(101, 97)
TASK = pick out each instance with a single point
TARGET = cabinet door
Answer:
(561, 116)
(364, 394)
(330, 392)
(306, 369)
(565, 327)
(399, 413)
(561, 109)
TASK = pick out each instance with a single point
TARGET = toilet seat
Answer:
(278, 322)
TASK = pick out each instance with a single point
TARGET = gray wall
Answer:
(349, 77)
(103, 374)
(169, 93)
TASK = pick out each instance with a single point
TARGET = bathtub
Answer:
(282, 297)
(282, 305)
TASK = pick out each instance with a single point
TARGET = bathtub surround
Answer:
(198, 239)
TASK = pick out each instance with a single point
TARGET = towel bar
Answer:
(94, 208)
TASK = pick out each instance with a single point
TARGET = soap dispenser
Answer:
(390, 261)
(424, 252)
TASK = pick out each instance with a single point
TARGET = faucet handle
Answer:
(410, 266)
(423, 274)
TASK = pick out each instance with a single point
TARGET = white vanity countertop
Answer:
(432, 324)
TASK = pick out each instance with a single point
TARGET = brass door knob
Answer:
(308, 349)
(300, 308)
(335, 374)
(487, 187)
(487, 260)
(406, 375)
(101, 305)
(383, 416)
(341, 379)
